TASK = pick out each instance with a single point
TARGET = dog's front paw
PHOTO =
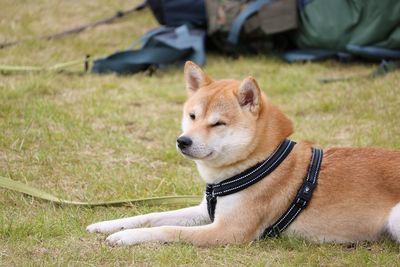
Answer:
(132, 237)
(126, 237)
(106, 227)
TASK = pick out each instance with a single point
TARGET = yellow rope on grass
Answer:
(153, 201)
(55, 68)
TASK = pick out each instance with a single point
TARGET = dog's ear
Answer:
(249, 95)
(195, 78)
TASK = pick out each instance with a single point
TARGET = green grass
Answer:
(90, 137)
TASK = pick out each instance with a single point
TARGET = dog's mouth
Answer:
(194, 157)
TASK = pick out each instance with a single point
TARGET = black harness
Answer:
(257, 173)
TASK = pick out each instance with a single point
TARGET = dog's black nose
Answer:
(184, 142)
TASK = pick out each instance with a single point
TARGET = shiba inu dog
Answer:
(228, 127)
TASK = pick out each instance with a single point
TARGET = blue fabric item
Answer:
(252, 8)
(133, 61)
(321, 54)
(373, 52)
(184, 38)
(147, 36)
(180, 12)
(302, 3)
(308, 55)
(175, 13)
(161, 47)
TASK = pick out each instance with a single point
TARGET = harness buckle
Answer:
(276, 232)
(211, 202)
(305, 193)
(209, 196)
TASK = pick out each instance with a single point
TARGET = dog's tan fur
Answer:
(357, 187)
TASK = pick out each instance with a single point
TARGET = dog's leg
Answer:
(233, 224)
(196, 215)
(206, 235)
(394, 222)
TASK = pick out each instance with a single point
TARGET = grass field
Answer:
(89, 137)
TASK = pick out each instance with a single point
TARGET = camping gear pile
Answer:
(302, 30)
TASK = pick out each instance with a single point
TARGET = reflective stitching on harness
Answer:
(244, 180)
(291, 220)
(263, 164)
(248, 182)
(275, 229)
(292, 207)
(310, 167)
(318, 166)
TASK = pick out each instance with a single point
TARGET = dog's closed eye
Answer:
(218, 123)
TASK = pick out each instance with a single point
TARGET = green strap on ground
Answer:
(154, 201)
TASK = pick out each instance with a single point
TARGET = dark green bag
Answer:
(346, 28)
(334, 25)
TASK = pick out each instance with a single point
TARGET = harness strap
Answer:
(211, 202)
(302, 199)
(248, 177)
(252, 8)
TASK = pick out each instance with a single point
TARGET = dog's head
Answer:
(219, 118)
